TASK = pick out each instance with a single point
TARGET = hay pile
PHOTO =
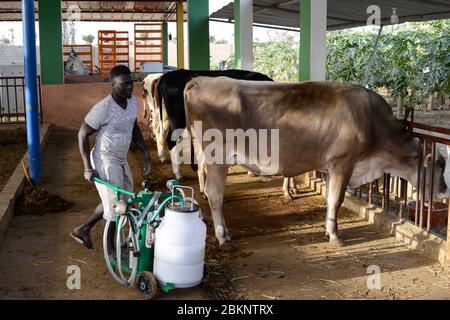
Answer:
(219, 285)
(35, 200)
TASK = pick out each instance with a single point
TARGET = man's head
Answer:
(121, 81)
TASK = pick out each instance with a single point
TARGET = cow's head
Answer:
(408, 168)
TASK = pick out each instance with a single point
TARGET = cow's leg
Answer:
(214, 189)
(338, 182)
(201, 172)
(327, 186)
(176, 161)
(286, 192)
(292, 185)
(161, 152)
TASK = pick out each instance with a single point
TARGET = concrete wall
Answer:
(66, 105)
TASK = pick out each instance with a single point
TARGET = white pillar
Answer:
(243, 34)
(313, 28)
(318, 39)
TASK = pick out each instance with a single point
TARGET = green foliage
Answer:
(88, 38)
(221, 41)
(5, 41)
(277, 59)
(414, 58)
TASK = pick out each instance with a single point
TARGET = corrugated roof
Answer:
(340, 14)
(123, 11)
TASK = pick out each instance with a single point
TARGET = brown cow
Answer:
(342, 129)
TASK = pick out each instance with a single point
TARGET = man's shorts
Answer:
(114, 173)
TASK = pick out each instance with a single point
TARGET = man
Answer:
(114, 121)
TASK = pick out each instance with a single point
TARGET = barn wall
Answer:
(66, 105)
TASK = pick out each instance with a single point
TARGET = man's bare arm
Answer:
(85, 149)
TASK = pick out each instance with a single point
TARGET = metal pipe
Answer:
(386, 192)
(430, 194)
(419, 174)
(423, 183)
(31, 99)
(372, 59)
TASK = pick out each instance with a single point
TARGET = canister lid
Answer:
(186, 208)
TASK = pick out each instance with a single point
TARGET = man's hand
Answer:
(89, 174)
(146, 169)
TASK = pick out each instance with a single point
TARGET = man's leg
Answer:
(83, 231)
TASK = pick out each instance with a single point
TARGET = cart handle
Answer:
(114, 187)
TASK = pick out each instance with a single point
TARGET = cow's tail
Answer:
(194, 166)
(189, 85)
(158, 98)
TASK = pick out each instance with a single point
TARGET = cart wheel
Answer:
(146, 285)
(205, 273)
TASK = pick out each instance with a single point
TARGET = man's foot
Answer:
(83, 238)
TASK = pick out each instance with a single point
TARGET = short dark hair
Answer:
(118, 70)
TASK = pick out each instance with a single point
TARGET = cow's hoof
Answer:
(294, 191)
(227, 246)
(288, 197)
(337, 243)
(251, 174)
(182, 179)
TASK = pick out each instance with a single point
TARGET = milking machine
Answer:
(159, 239)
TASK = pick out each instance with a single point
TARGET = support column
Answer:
(198, 31)
(243, 34)
(165, 43)
(313, 27)
(31, 93)
(50, 42)
(180, 35)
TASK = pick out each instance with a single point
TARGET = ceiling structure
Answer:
(101, 11)
(341, 14)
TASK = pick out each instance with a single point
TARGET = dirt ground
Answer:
(13, 145)
(282, 254)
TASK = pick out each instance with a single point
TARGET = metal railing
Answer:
(398, 198)
(12, 100)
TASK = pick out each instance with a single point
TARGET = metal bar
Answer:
(419, 174)
(23, 93)
(15, 96)
(403, 196)
(430, 194)
(369, 194)
(7, 99)
(431, 138)
(429, 128)
(397, 187)
(372, 59)
(424, 182)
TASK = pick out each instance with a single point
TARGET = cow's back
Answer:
(317, 121)
(172, 84)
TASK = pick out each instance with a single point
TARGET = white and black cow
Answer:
(342, 129)
(169, 102)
